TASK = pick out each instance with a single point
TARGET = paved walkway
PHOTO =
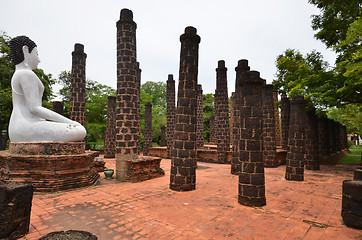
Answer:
(150, 210)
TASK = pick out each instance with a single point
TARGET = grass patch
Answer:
(354, 157)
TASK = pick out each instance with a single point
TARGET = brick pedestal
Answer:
(222, 113)
(147, 133)
(269, 139)
(251, 178)
(296, 140)
(110, 138)
(127, 124)
(77, 87)
(144, 168)
(50, 167)
(183, 162)
(311, 142)
(171, 111)
(199, 118)
(58, 107)
(235, 161)
(285, 112)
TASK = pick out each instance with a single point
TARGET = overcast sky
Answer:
(230, 30)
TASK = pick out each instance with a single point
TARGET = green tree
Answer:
(349, 115)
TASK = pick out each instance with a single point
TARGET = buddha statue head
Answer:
(17, 48)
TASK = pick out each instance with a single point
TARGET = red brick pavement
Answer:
(150, 210)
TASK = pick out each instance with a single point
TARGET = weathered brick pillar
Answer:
(338, 137)
(199, 118)
(269, 139)
(323, 139)
(212, 130)
(171, 111)
(138, 104)
(285, 112)
(251, 177)
(278, 139)
(163, 136)
(222, 112)
(184, 153)
(58, 107)
(127, 126)
(344, 138)
(147, 132)
(311, 141)
(77, 86)
(235, 160)
(110, 138)
(296, 140)
(232, 106)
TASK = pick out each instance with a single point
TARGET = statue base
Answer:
(49, 167)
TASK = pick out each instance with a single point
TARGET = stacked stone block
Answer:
(110, 138)
(77, 86)
(251, 177)
(222, 113)
(183, 162)
(171, 111)
(269, 138)
(296, 140)
(58, 107)
(147, 133)
(235, 160)
(285, 112)
(311, 142)
(278, 140)
(127, 124)
(199, 118)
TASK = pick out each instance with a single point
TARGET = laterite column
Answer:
(323, 139)
(311, 142)
(235, 160)
(285, 112)
(199, 118)
(58, 107)
(127, 125)
(163, 136)
(184, 153)
(278, 140)
(77, 86)
(171, 111)
(147, 133)
(251, 177)
(212, 138)
(222, 113)
(269, 139)
(110, 138)
(296, 140)
(138, 105)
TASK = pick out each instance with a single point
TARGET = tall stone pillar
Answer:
(235, 160)
(311, 142)
(344, 138)
(77, 86)
(184, 153)
(110, 139)
(296, 140)
(232, 107)
(163, 136)
(171, 111)
(222, 113)
(199, 118)
(147, 133)
(212, 138)
(127, 125)
(323, 139)
(278, 139)
(58, 107)
(251, 177)
(138, 104)
(285, 112)
(269, 139)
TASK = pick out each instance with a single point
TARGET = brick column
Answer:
(199, 118)
(58, 107)
(77, 86)
(296, 140)
(163, 136)
(338, 137)
(311, 142)
(278, 139)
(184, 154)
(110, 138)
(138, 104)
(147, 132)
(212, 138)
(285, 112)
(171, 111)
(232, 106)
(127, 126)
(235, 160)
(344, 138)
(222, 112)
(323, 139)
(269, 139)
(251, 177)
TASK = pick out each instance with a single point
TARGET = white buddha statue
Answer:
(29, 121)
